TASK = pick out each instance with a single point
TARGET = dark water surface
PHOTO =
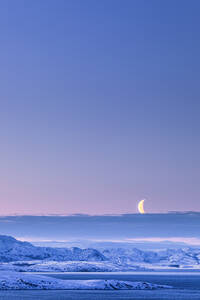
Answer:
(186, 287)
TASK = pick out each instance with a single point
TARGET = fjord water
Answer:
(186, 286)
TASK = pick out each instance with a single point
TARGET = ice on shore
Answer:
(24, 281)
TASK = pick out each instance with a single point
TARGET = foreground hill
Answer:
(19, 281)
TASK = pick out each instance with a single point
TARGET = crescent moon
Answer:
(141, 207)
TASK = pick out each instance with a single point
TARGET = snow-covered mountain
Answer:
(169, 257)
(14, 250)
(128, 256)
(76, 259)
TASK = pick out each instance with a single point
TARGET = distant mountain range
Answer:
(25, 255)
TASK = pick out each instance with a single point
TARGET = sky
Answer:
(99, 106)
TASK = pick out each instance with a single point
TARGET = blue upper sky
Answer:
(99, 106)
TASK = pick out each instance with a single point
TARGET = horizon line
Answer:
(96, 215)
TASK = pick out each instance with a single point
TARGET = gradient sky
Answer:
(99, 106)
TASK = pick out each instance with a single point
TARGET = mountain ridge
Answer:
(12, 250)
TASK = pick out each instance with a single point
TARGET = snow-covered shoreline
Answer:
(23, 281)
